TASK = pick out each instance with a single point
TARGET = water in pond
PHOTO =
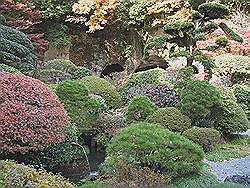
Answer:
(79, 169)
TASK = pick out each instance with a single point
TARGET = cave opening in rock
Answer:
(109, 69)
(145, 68)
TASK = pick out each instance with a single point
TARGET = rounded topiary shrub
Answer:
(82, 109)
(236, 67)
(17, 175)
(171, 118)
(206, 137)
(103, 88)
(63, 65)
(152, 76)
(139, 108)
(31, 116)
(229, 117)
(6, 68)
(16, 49)
(160, 94)
(81, 72)
(197, 98)
(153, 146)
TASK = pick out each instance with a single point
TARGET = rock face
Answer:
(92, 51)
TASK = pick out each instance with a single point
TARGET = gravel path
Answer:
(231, 167)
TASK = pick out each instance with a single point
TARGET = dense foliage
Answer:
(16, 49)
(31, 115)
(160, 94)
(151, 145)
(197, 99)
(101, 87)
(6, 68)
(17, 175)
(206, 137)
(170, 118)
(139, 108)
(82, 109)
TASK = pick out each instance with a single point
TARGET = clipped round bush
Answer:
(63, 65)
(59, 153)
(229, 117)
(206, 137)
(152, 76)
(31, 116)
(82, 109)
(160, 94)
(170, 118)
(236, 67)
(197, 98)
(242, 94)
(213, 10)
(139, 108)
(103, 88)
(18, 175)
(81, 72)
(6, 68)
(16, 49)
(153, 146)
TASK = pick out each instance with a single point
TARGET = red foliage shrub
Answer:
(234, 48)
(31, 116)
(21, 16)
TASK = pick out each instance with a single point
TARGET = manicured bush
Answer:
(242, 94)
(229, 117)
(62, 65)
(236, 67)
(17, 175)
(152, 76)
(151, 145)
(82, 109)
(160, 94)
(139, 108)
(16, 49)
(6, 68)
(81, 72)
(170, 118)
(90, 184)
(206, 137)
(31, 116)
(197, 98)
(101, 87)
(59, 153)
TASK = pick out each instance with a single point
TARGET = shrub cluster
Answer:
(139, 108)
(206, 137)
(6, 68)
(170, 118)
(31, 116)
(16, 49)
(151, 145)
(17, 175)
(82, 109)
(152, 76)
(197, 98)
(58, 70)
(103, 88)
(160, 94)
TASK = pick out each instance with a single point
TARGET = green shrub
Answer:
(213, 10)
(206, 137)
(229, 117)
(228, 185)
(196, 3)
(197, 99)
(171, 118)
(151, 145)
(242, 94)
(81, 72)
(236, 67)
(59, 153)
(6, 68)
(17, 175)
(16, 49)
(62, 65)
(152, 76)
(94, 184)
(82, 109)
(230, 33)
(155, 43)
(179, 26)
(222, 41)
(103, 88)
(139, 108)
